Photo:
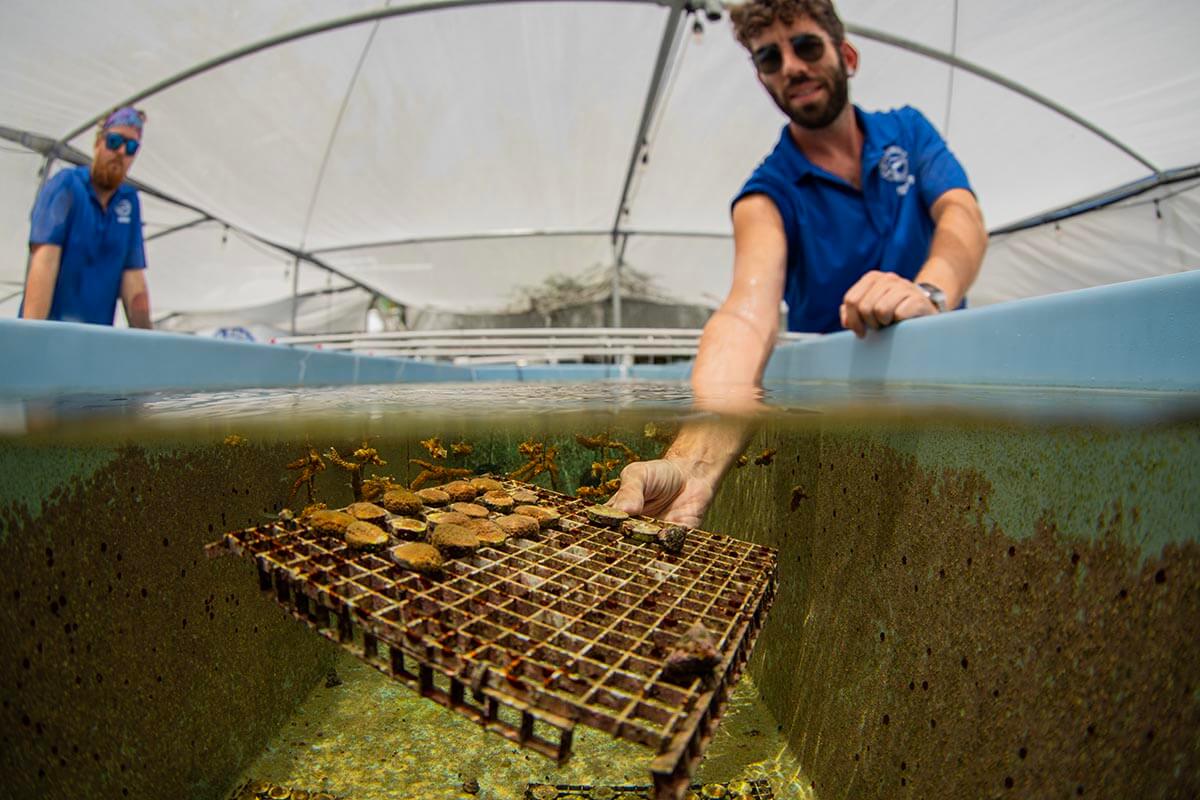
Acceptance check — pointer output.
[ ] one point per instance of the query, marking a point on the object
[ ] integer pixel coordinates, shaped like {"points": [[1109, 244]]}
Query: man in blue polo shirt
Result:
{"points": [[85, 240], [857, 219]]}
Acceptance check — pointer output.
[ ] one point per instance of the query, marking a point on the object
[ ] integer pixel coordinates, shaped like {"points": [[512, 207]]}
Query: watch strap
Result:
{"points": [[935, 295]]}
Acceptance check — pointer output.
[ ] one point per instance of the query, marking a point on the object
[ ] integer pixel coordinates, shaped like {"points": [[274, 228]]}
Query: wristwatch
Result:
{"points": [[935, 295]]}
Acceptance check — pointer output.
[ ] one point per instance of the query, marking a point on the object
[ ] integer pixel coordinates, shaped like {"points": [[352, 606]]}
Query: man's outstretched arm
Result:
{"points": [[959, 240], [734, 349]]}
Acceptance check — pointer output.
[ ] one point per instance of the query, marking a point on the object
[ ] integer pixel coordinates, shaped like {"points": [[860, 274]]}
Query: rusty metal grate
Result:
{"points": [[536, 635], [757, 789], [265, 790]]}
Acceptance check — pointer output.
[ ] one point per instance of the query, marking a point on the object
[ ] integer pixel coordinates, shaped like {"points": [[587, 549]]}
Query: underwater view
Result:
{"points": [[925, 591]]}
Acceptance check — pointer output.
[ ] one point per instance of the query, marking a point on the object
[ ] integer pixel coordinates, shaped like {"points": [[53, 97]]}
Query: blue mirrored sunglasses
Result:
{"points": [[113, 141]]}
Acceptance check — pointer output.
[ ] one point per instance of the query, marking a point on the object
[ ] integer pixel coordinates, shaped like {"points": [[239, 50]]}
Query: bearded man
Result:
{"points": [[857, 219], [85, 240]]}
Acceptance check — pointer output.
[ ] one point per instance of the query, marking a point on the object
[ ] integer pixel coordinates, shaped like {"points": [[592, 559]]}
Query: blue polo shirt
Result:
{"points": [[98, 244], [836, 233]]}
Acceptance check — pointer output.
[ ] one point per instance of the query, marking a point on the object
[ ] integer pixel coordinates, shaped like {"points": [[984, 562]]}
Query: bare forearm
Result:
{"points": [[726, 381], [40, 282], [135, 296], [733, 353], [137, 311], [959, 242], [705, 449]]}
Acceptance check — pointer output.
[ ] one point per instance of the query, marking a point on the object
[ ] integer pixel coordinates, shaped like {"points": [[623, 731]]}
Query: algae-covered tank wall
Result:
{"points": [[973, 609], [133, 666]]}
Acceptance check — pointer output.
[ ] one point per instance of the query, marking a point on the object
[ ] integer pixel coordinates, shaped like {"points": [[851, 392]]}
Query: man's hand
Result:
{"points": [[881, 298], [664, 490]]}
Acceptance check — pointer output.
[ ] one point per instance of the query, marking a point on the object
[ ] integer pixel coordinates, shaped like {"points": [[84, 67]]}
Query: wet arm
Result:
{"points": [[39, 283], [734, 349], [737, 341]]}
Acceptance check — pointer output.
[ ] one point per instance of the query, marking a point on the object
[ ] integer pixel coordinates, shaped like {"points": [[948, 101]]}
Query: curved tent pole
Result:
{"points": [[312, 201], [387, 12], [1104, 199], [653, 92], [183, 226], [515, 233], [1000, 80], [302, 33], [51, 148]]}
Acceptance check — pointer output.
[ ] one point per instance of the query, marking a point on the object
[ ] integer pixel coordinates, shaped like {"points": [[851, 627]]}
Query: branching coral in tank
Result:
{"points": [[601, 491], [606, 465], [359, 460], [433, 445], [539, 457], [435, 474], [309, 465]]}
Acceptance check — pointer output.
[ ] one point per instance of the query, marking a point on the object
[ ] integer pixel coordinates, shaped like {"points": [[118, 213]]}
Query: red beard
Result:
{"points": [[107, 175]]}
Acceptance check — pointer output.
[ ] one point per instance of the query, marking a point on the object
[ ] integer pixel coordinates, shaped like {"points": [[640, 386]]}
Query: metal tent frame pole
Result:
{"points": [[653, 92]]}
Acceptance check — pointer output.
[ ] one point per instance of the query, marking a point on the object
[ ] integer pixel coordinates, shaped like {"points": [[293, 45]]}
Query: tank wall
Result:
{"points": [[134, 666], [965, 612]]}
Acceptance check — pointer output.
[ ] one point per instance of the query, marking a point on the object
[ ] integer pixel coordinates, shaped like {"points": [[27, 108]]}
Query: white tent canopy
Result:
{"points": [[446, 155]]}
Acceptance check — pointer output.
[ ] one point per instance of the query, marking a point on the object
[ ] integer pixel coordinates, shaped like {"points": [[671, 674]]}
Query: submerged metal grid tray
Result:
{"points": [[757, 789], [265, 790], [532, 636]]}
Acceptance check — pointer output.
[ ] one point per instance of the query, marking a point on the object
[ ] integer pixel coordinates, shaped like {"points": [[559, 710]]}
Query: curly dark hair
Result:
{"points": [[754, 16]]}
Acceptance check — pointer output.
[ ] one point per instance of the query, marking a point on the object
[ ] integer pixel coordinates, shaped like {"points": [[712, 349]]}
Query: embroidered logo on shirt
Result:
{"points": [[123, 209], [893, 166]]}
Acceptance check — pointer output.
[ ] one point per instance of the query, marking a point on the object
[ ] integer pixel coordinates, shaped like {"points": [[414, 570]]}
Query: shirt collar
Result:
{"points": [[879, 131]]}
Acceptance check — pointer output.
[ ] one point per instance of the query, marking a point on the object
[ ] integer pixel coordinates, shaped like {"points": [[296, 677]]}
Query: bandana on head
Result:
{"points": [[128, 115]]}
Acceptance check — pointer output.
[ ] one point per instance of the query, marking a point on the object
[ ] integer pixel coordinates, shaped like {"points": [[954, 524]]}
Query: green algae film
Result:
{"points": [[370, 738]]}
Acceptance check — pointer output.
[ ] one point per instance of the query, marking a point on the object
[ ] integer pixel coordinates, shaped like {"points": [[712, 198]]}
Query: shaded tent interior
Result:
{"points": [[463, 161]]}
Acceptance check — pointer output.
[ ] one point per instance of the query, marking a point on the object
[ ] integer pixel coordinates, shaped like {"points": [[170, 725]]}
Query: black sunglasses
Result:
{"points": [[807, 47], [114, 141]]}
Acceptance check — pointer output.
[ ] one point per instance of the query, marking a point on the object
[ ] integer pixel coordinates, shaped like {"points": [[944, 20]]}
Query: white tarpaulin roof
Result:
{"points": [[447, 156]]}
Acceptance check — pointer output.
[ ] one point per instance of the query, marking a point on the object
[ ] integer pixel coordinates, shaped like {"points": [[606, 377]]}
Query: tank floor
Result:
{"points": [[370, 738]]}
